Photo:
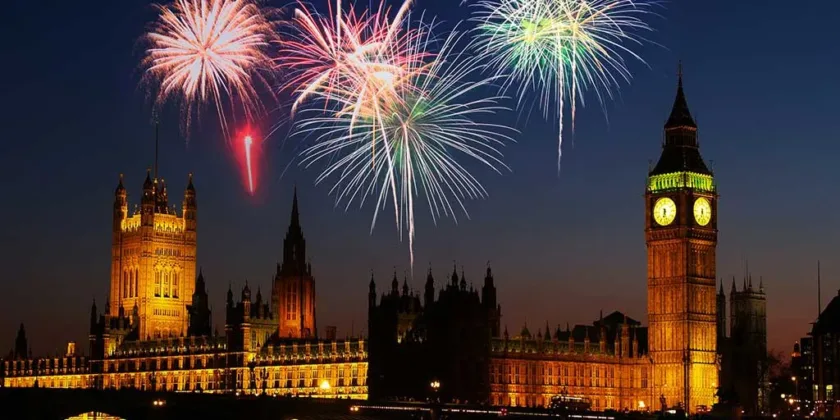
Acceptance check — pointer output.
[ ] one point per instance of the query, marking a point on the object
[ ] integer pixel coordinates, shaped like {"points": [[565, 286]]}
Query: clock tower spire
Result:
{"points": [[681, 236]]}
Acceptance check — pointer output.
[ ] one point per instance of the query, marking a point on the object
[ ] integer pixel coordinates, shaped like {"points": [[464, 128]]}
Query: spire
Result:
{"points": [[721, 287], [680, 116], [760, 284], [147, 184], [120, 187], [295, 215], [733, 285], [680, 150], [190, 186]]}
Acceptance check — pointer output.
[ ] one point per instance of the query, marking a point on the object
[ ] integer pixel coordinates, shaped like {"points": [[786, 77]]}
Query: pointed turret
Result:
{"points": [[120, 205], [760, 284], [454, 274], [246, 292], [405, 286], [21, 345], [731, 292], [371, 292], [680, 150], [463, 283], [395, 285], [93, 316], [147, 202], [429, 296], [547, 332]]}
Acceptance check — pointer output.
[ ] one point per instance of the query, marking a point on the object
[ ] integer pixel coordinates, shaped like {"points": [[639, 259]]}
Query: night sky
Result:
{"points": [[760, 78]]}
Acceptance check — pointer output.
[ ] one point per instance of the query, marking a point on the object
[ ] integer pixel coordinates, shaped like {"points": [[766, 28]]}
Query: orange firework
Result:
{"points": [[207, 50]]}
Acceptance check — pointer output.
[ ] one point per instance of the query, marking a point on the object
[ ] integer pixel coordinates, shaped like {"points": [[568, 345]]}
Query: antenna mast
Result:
{"points": [[819, 292], [157, 144]]}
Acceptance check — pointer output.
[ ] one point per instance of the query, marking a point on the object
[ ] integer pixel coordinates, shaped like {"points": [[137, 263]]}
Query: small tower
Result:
{"points": [[21, 344], [371, 292], [488, 299], [147, 202], [199, 310], [120, 206], [429, 296], [190, 207]]}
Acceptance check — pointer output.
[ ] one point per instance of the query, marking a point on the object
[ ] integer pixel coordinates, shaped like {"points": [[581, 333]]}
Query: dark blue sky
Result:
{"points": [[760, 79]]}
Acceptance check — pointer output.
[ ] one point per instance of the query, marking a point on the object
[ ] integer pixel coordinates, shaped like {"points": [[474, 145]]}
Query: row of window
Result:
{"points": [[129, 282], [566, 375], [167, 284]]}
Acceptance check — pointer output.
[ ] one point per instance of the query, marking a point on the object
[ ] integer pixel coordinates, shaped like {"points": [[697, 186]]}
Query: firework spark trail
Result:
{"points": [[437, 120], [344, 54], [208, 50], [356, 59], [561, 48], [247, 143]]}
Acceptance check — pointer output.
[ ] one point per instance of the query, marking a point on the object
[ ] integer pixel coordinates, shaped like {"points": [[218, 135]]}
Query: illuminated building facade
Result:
{"points": [[681, 236], [826, 363], [258, 353], [153, 259], [605, 362], [802, 367], [744, 375]]}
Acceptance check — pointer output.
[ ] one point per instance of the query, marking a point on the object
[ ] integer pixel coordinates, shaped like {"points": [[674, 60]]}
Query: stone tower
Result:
{"points": [[293, 290], [681, 237], [747, 351], [153, 259]]}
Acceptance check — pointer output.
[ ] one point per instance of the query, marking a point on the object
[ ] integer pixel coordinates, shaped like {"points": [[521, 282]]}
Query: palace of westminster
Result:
{"points": [[155, 331]]}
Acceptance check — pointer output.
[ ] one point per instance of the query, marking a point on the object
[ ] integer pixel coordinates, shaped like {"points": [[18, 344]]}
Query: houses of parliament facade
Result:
{"points": [[155, 331]]}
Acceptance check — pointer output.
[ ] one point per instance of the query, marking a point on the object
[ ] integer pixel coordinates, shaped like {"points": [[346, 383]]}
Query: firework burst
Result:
{"points": [[204, 51], [348, 54], [561, 48], [436, 118]]}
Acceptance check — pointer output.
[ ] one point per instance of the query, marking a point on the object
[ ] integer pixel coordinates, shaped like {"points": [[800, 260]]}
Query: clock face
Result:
{"points": [[664, 211], [702, 211]]}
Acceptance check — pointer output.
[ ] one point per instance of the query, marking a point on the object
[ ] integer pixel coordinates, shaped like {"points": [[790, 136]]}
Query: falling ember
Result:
{"points": [[248, 142]]}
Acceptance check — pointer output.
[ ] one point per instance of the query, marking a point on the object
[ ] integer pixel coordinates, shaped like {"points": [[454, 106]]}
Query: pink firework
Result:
{"points": [[207, 50], [352, 60]]}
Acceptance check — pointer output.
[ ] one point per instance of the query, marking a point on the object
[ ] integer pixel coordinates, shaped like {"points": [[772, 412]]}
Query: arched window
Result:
{"points": [[124, 281], [134, 282], [175, 285], [157, 282], [166, 276]]}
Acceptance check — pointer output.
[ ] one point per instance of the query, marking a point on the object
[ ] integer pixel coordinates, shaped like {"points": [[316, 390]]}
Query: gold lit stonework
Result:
{"points": [[664, 211], [702, 211], [153, 280]]}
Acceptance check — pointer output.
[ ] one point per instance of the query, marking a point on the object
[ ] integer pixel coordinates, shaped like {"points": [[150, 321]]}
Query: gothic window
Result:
{"points": [[124, 285], [157, 282], [175, 285], [166, 276]]}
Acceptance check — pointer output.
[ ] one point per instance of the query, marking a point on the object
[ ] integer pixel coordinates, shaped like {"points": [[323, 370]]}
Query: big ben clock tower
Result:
{"points": [[681, 235]]}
